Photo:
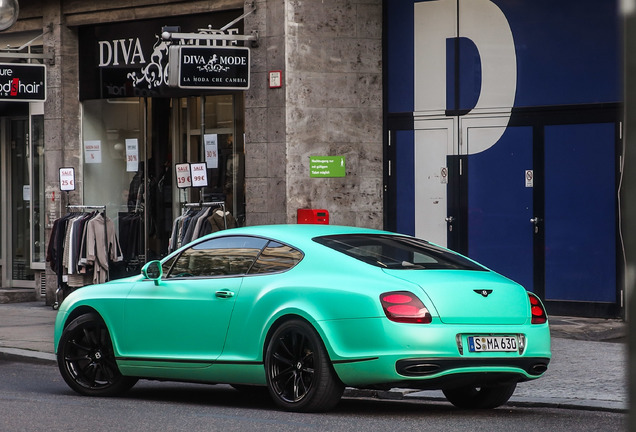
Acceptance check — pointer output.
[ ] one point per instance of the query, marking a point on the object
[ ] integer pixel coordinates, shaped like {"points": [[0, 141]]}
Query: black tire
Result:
{"points": [[487, 397], [86, 359], [300, 376]]}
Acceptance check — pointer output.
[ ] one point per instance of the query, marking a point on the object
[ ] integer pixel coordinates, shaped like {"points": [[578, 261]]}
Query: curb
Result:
{"points": [[36, 357], [26, 356], [558, 403]]}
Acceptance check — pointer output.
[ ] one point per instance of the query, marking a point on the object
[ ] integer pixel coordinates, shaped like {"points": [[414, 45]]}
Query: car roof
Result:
{"points": [[298, 234]]}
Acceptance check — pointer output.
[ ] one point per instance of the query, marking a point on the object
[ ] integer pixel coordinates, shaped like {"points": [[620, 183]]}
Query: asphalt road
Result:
{"points": [[34, 398]]}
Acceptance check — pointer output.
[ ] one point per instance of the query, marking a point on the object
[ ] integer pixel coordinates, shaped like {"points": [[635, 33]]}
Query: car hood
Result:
{"points": [[470, 297]]}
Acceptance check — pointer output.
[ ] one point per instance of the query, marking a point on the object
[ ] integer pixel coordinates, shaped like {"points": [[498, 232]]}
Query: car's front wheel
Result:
{"points": [[300, 376], [471, 397], [86, 359]]}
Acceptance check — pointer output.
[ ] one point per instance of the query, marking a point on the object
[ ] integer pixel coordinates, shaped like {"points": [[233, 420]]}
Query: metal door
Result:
{"points": [[580, 212], [499, 196], [434, 143]]}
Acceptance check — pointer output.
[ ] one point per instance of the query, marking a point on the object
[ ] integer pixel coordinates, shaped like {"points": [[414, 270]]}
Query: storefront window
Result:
{"points": [[114, 170], [222, 150], [130, 149]]}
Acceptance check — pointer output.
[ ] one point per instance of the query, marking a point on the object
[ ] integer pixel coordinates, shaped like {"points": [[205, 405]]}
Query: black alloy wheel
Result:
{"points": [[488, 397], [86, 359], [300, 376]]}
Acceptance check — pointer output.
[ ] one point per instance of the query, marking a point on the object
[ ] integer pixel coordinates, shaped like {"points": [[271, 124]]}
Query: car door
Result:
{"points": [[186, 315]]}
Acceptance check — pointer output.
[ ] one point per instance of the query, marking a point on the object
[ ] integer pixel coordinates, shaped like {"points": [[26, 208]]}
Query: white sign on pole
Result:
{"points": [[67, 179], [184, 178], [199, 175], [132, 155], [211, 150]]}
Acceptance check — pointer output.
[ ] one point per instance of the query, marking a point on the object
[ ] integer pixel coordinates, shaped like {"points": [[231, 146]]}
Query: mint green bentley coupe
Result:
{"points": [[303, 311]]}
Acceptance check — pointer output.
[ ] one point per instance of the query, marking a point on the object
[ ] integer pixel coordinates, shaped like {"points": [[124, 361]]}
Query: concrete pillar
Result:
{"points": [[62, 147], [330, 104]]}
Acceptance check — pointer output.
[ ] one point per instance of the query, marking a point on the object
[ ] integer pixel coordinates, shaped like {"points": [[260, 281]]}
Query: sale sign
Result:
{"points": [[67, 179], [199, 174], [132, 155], [184, 177]]}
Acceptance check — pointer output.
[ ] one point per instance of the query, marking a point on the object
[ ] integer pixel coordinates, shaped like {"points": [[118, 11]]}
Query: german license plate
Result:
{"points": [[492, 343]]}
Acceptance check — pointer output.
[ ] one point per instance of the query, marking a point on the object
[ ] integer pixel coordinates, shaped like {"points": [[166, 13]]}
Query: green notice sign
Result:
{"points": [[326, 166]]}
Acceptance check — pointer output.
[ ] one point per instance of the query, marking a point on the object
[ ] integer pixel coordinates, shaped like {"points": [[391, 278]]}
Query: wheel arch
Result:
{"points": [[290, 316], [83, 309], [79, 311]]}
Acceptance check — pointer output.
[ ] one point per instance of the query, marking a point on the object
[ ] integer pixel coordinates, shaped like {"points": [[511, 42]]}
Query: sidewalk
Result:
{"points": [[588, 368]]}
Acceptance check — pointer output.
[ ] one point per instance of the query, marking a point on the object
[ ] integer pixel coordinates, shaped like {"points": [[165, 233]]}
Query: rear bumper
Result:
{"points": [[370, 352], [422, 367]]}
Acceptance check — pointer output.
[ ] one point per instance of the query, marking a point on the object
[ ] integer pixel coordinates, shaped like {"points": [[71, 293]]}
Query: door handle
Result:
{"points": [[224, 294]]}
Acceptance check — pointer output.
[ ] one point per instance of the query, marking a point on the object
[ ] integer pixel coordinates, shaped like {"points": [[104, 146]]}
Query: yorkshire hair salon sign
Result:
{"points": [[22, 82], [213, 68]]}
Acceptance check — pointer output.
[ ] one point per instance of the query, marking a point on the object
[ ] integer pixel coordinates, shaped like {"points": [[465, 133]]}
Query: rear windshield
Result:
{"points": [[397, 252]]}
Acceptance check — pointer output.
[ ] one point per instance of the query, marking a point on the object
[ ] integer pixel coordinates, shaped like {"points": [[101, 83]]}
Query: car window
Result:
{"points": [[276, 257], [167, 265], [222, 256], [396, 252]]}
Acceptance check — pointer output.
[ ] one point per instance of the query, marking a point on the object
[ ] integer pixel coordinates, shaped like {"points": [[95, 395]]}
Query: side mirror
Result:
{"points": [[153, 271]]}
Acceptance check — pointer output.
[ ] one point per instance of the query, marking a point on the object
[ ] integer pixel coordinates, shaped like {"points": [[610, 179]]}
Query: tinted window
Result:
{"points": [[218, 257], [276, 257], [396, 252], [167, 265]]}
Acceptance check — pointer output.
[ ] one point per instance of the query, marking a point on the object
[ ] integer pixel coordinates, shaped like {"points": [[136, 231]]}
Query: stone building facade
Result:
{"points": [[329, 54]]}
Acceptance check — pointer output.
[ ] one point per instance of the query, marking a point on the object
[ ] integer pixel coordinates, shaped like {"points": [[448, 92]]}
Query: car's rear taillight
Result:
{"points": [[404, 307], [537, 310]]}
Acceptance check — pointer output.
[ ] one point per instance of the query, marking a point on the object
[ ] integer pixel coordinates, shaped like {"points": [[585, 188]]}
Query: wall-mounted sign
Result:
{"points": [[326, 166], [130, 59], [529, 178], [275, 79], [207, 67], [184, 177], [67, 179], [22, 82]]}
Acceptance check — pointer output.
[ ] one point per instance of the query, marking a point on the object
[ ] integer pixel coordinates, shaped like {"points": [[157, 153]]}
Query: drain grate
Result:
{"points": [[43, 284]]}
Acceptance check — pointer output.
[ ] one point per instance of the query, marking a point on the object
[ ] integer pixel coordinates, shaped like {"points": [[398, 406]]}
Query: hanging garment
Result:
{"points": [[101, 244]]}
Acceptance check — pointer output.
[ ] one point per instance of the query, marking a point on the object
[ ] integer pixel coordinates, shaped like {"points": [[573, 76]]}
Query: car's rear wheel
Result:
{"points": [[300, 376], [471, 397], [86, 359]]}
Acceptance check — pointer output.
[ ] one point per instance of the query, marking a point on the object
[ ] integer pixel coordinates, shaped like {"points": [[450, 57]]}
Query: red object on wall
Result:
{"points": [[313, 216]]}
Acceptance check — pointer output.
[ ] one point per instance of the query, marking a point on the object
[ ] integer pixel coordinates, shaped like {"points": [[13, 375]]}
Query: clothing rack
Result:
{"points": [[86, 207], [208, 204], [70, 208], [94, 207]]}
